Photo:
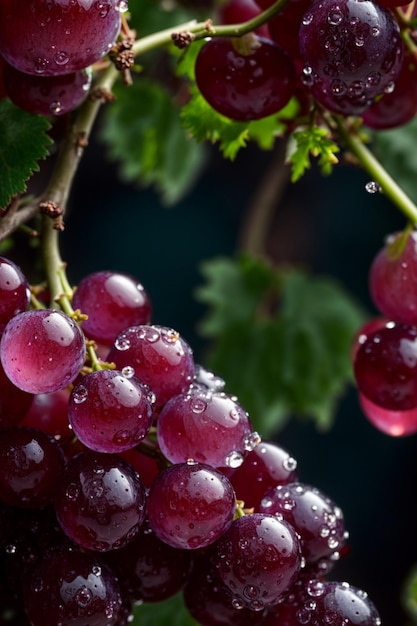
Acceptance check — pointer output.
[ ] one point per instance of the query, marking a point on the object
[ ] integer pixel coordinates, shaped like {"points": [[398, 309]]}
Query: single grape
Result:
{"points": [[149, 569], [385, 367], [31, 463], [352, 50], [113, 302], [100, 501], [52, 37], [14, 291], [47, 95], [266, 466], [159, 357], [393, 278], [245, 79], [399, 106], [207, 427], [238, 11], [71, 588], [317, 520], [190, 505], [42, 350], [393, 423], [110, 412], [258, 559]]}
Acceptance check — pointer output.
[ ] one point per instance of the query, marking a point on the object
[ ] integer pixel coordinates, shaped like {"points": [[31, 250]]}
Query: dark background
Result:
{"points": [[333, 225]]}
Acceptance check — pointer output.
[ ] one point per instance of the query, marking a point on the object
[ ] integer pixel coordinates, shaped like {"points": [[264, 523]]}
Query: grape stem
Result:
{"points": [[375, 170]]}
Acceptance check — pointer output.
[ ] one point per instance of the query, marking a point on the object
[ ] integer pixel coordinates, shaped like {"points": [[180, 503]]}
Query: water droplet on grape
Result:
{"points": [[40, 65], [238, 603], [61, 57], [303, 616], [372, 187], [11, 548], [250, 441], [128, 371], [308, 18], [96, 569], [390, 87], [289, 464], [234, 459], [55, 108], [315, 588], [80, 394], [121, 6], [198, 405], [72, 491], [121, 438], [338, 87], [335, 17], [149, 333], [122, 343], [83, 596]]}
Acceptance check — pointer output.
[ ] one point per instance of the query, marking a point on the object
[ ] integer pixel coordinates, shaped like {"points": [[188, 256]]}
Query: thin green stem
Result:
{"points": [[376, 171]]}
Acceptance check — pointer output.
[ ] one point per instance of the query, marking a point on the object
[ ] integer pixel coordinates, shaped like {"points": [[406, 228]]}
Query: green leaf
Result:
{"points": [[281, 339], [143, 133], [171, 612], [313, 141], [395, 150], [23, 142]]}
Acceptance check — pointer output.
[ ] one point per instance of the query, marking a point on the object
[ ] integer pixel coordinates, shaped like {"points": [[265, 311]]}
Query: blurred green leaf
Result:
{"points": [[23, 142], [280, 338], [143, 133], [311, 142]]}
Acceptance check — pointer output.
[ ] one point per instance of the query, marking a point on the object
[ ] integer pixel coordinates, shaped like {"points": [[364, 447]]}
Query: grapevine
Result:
{"points": [[142, 480]]}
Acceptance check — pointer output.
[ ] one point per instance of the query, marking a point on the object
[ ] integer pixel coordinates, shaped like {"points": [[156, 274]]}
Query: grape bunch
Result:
{"points": [[385, 350], [342, 56], [135, 477], [47, 48]]}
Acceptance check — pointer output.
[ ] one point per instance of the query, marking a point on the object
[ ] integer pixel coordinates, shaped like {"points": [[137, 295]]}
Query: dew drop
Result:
{"points": [[72, 491], [289, 464], [121, 438], [315, 588], [250, 441], [238, 603], [80, 394], [303, 616], [55, 108], [335, 17], [372, 187], [234, 459], [198, 405], [150, 334], [122, 343], [308, 18], [128, 371], [83, 596], [61, 57], [121, 6], [324, 531], [40, 65], [390, 87], [96, 569], [338, 87], [11, 548]]}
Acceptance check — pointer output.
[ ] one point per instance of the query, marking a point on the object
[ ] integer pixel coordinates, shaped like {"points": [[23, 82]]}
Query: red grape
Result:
{"points": [[47, 95], [49, 413], [393, 423], [14, 403], [110, 412], [245, 79], [352, 51], [42, 350], [113, 302], [190, 505], [100, 501], [393, 278], [14, 291], [237, 11], [52, 37]]}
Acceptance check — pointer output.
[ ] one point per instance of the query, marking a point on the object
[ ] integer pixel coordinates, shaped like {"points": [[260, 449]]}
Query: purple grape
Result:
{"points": [[393, 423], [266, 466], [42, 350], [352, 51], [245, 79], [14, 291], [385, 367], [190, 505], [31, 463], [100, 501], [14, 403], [393, 278], [113, 302], [258, 559], [315, 517], [47, 95], [159, 356], [207, 427], [149, 569], [53, 37], [72, 589], [110, 412], [49, 413]]}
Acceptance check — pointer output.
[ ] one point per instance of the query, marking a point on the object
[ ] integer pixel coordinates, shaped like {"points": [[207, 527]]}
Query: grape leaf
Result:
{"points": [[281, 339], [143, 133], [171, 612], [23, 142], [313, 141]]}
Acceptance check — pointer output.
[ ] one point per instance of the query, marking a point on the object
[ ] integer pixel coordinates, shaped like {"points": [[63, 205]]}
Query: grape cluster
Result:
{"points": [[385, 350], [47, 48], [135, 477], [345, 56]]}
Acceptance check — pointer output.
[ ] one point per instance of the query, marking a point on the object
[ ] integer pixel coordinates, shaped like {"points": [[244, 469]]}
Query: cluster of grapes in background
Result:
{"points": [[46, 69], [346, 56], [133, 477], [385, 353]]}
